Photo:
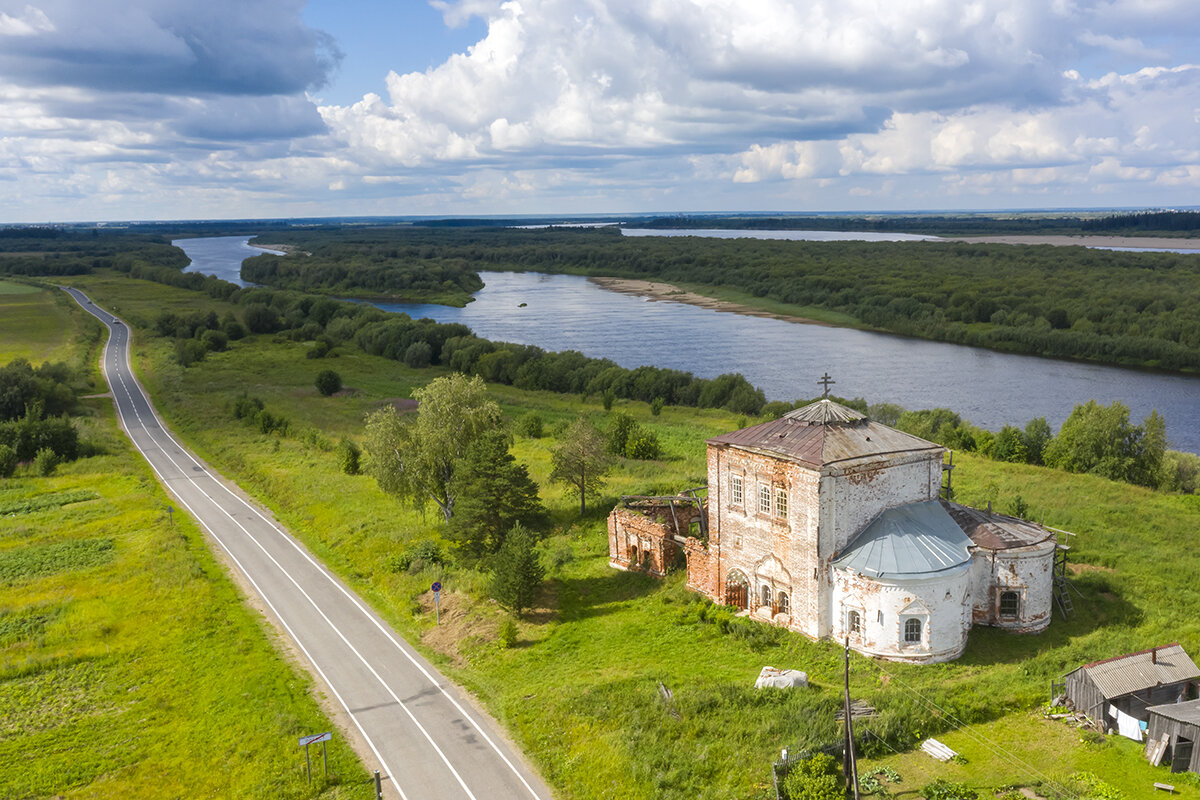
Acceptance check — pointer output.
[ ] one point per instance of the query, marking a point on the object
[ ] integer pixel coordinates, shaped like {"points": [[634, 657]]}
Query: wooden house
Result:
{"points": [[1174, 729], [1116, 693]]}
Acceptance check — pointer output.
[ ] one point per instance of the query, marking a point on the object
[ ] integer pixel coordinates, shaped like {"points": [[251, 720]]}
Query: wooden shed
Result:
{"points": [[1174, 729], [1109, 691]]}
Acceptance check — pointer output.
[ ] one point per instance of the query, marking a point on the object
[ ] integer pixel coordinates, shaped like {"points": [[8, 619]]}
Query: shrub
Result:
{"points": [[608, 398], [418, 355], [318, 350], [233, 329], [643, 445], [508, 632], [8, 461], [45, 462], [815, 778], [349, 457], [418, 555], [246, 406], [270, 423], [531, 426], [189, 351], [213, 340], [942, 789], [518, 572], [656, 406], [328, 382]]}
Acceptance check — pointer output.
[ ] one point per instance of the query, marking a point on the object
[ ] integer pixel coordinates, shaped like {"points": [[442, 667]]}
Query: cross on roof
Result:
{"points": [[826, 381]]}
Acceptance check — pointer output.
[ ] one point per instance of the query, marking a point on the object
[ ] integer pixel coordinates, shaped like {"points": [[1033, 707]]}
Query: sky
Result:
{"points": [[178, 109]]}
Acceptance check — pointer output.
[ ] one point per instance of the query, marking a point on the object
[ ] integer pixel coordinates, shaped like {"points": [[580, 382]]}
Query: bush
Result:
{"points": [[418, 355], [349, 457], [531, 426], [318, 350], [942, 789], [215, 341], [270, 423], [189, 351], [418, 555], [45, 462], [508, 632], [8, 461], [246, 406], [518, 572], [643, 445], [328, 382], [656, 406], [815, 778]]}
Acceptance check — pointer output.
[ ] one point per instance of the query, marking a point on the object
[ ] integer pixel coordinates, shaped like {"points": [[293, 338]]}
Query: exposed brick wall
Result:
{"points": [[638, 542]]}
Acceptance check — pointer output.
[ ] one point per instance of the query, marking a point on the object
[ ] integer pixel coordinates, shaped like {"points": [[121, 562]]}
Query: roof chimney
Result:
{"points": [[1154, 656]]}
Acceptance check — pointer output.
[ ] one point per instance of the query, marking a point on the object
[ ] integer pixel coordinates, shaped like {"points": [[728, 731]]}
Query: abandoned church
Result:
{"points": [[831, 524]]}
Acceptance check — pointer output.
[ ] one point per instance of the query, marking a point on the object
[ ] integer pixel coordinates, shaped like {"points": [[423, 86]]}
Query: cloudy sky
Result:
{"points": [[168, 109]]}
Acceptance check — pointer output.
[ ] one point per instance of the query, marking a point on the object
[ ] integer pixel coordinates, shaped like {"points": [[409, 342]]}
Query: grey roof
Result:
{"points": [[1136, 672], [908, 542], [997, 531], [1188, 712], [823, 434]]}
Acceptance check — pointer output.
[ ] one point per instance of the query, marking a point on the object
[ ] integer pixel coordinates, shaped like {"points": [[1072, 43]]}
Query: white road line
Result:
{"points": [[350, 596]]}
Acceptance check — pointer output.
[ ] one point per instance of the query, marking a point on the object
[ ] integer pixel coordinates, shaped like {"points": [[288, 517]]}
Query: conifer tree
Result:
{"points": [[517, 571], [494, 493]]}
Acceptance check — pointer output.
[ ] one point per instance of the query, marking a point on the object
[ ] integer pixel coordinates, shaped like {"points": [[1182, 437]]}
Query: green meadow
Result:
{"points": [[130, 665], [582, 689]]}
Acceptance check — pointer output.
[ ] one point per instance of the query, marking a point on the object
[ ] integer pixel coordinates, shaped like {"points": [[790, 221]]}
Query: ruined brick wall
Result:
{"points": [[1028, 571], [702, 570], [637, 542]]}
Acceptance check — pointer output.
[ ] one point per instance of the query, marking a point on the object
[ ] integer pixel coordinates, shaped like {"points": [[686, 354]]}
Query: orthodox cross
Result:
{"points": [[826, 381]]}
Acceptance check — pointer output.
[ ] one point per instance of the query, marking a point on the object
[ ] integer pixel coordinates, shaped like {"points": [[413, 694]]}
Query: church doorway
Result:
{"points": [[737, 590]]}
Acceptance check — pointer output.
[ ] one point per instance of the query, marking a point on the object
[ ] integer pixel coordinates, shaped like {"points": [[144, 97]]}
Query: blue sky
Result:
{"points": [[165, 109]]}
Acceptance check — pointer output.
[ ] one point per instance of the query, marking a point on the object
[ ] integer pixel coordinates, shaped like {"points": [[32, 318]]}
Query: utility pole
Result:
{"points": [[849, 762]]}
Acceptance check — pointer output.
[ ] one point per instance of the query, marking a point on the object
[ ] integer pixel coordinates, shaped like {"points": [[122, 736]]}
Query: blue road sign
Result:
{"points": [[437, 586]]}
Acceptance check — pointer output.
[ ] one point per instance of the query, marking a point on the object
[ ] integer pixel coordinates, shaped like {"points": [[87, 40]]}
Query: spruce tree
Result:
{"points": [[517, 571], [494, 493]]}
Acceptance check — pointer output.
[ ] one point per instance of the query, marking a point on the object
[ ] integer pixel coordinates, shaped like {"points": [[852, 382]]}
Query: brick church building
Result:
{"points": [[832, 525]]}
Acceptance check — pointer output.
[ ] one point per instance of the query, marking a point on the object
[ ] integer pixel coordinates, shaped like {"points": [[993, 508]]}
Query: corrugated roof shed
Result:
{"points": [[916, 539], [1188, 711], [825, 433], [1137, 672]]}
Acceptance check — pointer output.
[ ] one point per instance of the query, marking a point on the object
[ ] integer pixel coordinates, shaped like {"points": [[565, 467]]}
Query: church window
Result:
{"points": [[912, 631], [854, 623], [766, 595], [781, 509], [784, 608], [764, 499], [735, 490], [1010, 605]]}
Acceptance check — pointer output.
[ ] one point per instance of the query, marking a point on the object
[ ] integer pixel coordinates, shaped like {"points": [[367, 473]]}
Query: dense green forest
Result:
{"points": [[55, 251], [1125, 308]]}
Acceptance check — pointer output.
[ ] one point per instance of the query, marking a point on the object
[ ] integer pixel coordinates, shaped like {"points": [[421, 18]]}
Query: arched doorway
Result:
{"points": [[737, 589]]}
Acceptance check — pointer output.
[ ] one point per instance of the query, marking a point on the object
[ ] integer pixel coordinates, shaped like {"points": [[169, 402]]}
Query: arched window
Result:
{"points": [[635, 560], [854, 623], [1010, 605], [784, 608], [766, 595], [912, 631]]}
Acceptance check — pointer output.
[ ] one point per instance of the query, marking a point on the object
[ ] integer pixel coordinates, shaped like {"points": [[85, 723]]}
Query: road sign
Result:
{"points": [[437, 586], [316, 737]]}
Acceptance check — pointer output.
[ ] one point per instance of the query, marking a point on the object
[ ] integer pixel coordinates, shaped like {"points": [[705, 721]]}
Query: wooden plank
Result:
{"points": [[1155, 748]]}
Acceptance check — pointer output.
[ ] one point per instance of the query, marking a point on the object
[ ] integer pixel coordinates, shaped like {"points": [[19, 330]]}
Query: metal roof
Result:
{"points": [[996, 531], [825, 433], [1188, 712], [1136, 672], [908, 542]]}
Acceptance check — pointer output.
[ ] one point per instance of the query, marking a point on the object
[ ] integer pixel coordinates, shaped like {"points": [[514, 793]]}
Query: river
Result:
{"points": [[568, 312]]}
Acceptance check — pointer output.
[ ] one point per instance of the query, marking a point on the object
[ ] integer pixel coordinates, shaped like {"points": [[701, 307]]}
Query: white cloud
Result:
{"points": [[31, 22]]}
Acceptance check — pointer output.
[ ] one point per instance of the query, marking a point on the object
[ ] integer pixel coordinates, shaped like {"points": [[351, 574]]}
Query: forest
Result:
{"points": [[1133, 309]]}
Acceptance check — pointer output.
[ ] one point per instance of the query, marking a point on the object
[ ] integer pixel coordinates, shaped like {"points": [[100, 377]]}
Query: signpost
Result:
{"points": [[305, 741], [437, 602]]}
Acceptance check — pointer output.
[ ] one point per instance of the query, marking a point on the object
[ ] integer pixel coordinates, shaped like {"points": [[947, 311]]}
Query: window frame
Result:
{"points": [[905, 633], [781, 502], [1016, 602], [764, 498], [737, 491], [854, 622]]}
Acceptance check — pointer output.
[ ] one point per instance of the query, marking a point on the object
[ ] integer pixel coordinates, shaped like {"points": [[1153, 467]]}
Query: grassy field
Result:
{"points": [[40, 325], [129, 665], [580, 690]]}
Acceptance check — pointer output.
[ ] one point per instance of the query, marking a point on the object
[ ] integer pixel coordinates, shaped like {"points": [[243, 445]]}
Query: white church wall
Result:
{"points": [[1026, 571], [940, 605], [851, 499]]}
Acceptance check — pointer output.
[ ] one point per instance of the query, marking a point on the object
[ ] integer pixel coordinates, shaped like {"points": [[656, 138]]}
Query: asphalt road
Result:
{"points": [[427, 739]]}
